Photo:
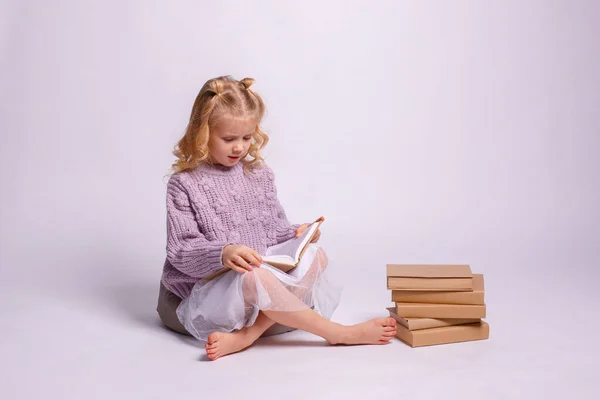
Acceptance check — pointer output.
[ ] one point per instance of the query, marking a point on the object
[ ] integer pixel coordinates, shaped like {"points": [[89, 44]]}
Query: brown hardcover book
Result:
{"points": [[474, 297], [429, 270], [414, 324], [430, 284], [428, 310], [444, 334], [426, 277]]}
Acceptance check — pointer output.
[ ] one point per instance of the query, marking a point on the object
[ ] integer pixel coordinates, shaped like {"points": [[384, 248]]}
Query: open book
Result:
{"points": [[287, 255]]}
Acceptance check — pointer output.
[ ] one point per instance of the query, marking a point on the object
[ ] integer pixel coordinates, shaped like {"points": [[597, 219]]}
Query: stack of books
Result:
{"points": [[437, 304]]}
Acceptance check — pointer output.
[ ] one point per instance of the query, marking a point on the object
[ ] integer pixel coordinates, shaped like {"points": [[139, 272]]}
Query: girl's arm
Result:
{"points": [[188, 250], [285, 230]]}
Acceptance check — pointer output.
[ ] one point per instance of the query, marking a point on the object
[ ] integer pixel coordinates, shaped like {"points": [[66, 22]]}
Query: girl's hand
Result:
{"points": [[241, 258], [304, 227]]}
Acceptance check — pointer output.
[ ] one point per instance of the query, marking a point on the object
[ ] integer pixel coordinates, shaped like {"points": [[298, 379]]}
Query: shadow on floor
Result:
{"points": [[137, 302]]}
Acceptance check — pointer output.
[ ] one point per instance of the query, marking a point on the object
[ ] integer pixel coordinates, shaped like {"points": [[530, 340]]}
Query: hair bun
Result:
{"points": [[216, 86], [247, 82]]}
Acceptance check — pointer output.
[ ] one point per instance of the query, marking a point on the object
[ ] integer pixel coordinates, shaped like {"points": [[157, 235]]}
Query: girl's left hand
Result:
{"points": [[304, 227]]}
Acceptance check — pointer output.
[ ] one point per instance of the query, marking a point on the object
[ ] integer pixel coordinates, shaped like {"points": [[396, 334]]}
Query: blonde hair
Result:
{"points": [[219, 98]]}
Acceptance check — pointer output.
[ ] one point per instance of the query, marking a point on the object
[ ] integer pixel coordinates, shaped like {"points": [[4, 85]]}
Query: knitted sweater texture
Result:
{"points": [[211, 206]]}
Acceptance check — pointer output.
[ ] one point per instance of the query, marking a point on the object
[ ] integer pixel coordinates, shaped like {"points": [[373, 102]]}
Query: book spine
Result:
{"points": [[451, 334], [430, 284], [445, 297], [429, 271], [420, 310], [427, 323]]}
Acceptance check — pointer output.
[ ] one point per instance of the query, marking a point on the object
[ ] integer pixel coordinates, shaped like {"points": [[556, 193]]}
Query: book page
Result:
{"points": [[306, 237], [292, 247], [282, 259]]}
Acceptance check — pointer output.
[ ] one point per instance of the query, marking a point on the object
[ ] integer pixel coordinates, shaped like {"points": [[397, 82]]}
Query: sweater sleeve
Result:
{"points": [[188, 250], [285, 230]]}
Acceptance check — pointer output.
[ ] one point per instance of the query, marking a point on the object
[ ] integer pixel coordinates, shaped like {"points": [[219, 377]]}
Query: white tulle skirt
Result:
{"points": [[233, 300]]}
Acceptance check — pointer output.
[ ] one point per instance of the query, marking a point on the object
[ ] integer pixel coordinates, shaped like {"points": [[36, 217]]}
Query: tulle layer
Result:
{"points": [[233, 300]]}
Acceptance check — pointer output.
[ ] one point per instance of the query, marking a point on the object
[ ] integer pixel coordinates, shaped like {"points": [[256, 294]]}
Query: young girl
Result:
{"points": [[223, 212]]}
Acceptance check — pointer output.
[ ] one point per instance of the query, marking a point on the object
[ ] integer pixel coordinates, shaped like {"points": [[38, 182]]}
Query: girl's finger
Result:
{"points": [[239, 270], [242, 263], [253, 259], [233, 267], [239, 262], [250, 259], [300, 230], [316, 237], [257, 256]]}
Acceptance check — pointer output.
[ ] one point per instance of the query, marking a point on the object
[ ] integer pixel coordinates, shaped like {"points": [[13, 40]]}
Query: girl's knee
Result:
{"points": [[249, 280], [249, 287], [262, 274]]}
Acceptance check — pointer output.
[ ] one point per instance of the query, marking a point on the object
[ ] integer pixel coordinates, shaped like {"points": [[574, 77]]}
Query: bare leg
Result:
{"points": [[376, 331], [306, 283], [289, 310], [223, 343]]}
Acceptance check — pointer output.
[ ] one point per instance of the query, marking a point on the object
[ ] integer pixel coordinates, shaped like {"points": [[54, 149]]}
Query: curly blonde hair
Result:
{"points": [[219, 98]]}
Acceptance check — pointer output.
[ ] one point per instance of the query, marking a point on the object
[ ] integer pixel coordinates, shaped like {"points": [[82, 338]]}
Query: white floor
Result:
{"points": [[95, 335]]}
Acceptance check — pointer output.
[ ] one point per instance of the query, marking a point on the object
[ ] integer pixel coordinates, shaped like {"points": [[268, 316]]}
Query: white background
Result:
{"points": [[425, 132]]}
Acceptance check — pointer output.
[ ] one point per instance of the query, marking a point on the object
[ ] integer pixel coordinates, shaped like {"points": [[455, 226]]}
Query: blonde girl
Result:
{"points": [[223, 212]]}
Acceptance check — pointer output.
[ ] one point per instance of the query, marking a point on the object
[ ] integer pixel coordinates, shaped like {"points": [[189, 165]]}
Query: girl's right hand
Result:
{"points": [[241, 258]]}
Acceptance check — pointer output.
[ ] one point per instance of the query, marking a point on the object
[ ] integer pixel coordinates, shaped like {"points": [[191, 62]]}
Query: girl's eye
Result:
{"points": [[247, 138], [229, 140]]}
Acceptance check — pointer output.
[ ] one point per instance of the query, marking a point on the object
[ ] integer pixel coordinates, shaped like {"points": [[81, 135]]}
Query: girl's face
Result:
{"points": [[230, 140]]}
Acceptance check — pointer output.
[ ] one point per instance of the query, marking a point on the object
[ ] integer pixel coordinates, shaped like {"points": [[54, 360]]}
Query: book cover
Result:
{"points": [[430, 284], [429, 270], [444, 334], [444, 297], [414, 324], [287, 255], [429, 277], [429, 310]]}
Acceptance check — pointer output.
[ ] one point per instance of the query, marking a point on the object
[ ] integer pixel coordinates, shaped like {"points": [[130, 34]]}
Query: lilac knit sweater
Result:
{"points": [[211, 206]]}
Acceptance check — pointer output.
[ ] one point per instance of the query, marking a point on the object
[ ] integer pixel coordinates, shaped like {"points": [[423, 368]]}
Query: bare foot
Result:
{"points": [[220, 343], [375, 331]]}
